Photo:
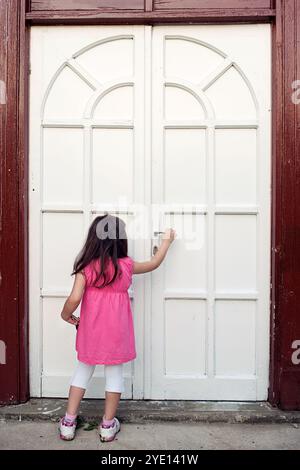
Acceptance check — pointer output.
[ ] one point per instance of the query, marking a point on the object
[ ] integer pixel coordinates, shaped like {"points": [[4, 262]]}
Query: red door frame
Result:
{"points": [[16, 16]]}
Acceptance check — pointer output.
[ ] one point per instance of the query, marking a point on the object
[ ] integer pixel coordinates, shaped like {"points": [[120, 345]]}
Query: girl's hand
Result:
{"points": [[72, 320], [169, 235], [158, 256]]}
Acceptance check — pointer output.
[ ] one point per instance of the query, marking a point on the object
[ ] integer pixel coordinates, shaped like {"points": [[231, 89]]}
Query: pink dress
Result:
{"points": [[106, 331]]}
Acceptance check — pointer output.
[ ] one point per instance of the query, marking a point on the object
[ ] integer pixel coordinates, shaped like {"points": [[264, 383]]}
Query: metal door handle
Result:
{"points": [[156, 233]]}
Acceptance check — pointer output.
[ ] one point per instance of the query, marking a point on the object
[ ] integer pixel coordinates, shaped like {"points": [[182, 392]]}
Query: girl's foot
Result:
{"points": [[67, 429], [108, 434]]}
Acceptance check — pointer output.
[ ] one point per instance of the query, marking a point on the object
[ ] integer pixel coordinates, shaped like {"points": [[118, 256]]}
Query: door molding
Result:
{"points": [[148, 11], [15, 19], [14, 60]]}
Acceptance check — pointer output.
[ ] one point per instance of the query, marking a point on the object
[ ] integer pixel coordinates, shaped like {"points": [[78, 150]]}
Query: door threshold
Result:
{"points": [[141, 411]]}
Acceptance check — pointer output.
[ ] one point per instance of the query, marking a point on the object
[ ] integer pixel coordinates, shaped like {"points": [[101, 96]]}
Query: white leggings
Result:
{"points": [[114, 380]]}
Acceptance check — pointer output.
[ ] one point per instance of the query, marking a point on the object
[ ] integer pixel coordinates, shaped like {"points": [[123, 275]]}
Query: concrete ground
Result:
{"points": [[156, 436]]}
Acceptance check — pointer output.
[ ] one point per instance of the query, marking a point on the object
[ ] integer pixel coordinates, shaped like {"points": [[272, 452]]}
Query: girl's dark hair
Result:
{"points": [[106, 239]]}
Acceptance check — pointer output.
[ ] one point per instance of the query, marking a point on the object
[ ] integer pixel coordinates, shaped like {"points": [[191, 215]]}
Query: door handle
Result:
{"points": [[157, 233]]}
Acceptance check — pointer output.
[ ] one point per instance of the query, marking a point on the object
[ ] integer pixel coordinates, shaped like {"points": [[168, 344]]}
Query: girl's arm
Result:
{"points": [[157, 259], [74, 300]]}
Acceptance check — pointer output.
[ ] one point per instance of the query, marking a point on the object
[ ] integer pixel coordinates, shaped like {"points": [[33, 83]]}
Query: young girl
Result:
{"points": [[105, 332]]}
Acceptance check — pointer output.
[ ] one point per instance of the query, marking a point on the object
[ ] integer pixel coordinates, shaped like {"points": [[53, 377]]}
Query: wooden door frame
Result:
{"points": [[16, 17]]}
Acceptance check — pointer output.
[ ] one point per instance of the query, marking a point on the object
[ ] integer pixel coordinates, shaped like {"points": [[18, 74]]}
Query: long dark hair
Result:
{"points": [[106, 239]]}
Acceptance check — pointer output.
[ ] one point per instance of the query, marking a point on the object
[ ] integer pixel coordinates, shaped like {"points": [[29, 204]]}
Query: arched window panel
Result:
{"points": [[193, 55], [115, 104], [67, 96], [109, 59], [231, 97], [180, 104]]}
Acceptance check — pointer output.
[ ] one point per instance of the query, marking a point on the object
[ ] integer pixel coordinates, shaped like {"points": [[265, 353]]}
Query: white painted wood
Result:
{"points": [[182, 115], [211, 146], [86, 127]]}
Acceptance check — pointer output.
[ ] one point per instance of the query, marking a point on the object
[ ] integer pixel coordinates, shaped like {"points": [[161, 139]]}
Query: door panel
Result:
{"points": [[211, 178], [86, 128]]}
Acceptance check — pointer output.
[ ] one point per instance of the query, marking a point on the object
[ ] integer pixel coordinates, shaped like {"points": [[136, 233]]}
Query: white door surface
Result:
{"points": [[169, 121]]}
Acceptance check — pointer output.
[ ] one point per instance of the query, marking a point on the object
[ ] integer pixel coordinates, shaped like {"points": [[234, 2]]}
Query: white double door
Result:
{"points": [[168, 126]]}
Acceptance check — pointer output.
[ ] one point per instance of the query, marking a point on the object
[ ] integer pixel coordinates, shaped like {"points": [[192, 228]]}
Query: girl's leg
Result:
{"points": [[75, 396], [79, 383], [114, 387], [111, 404]]}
